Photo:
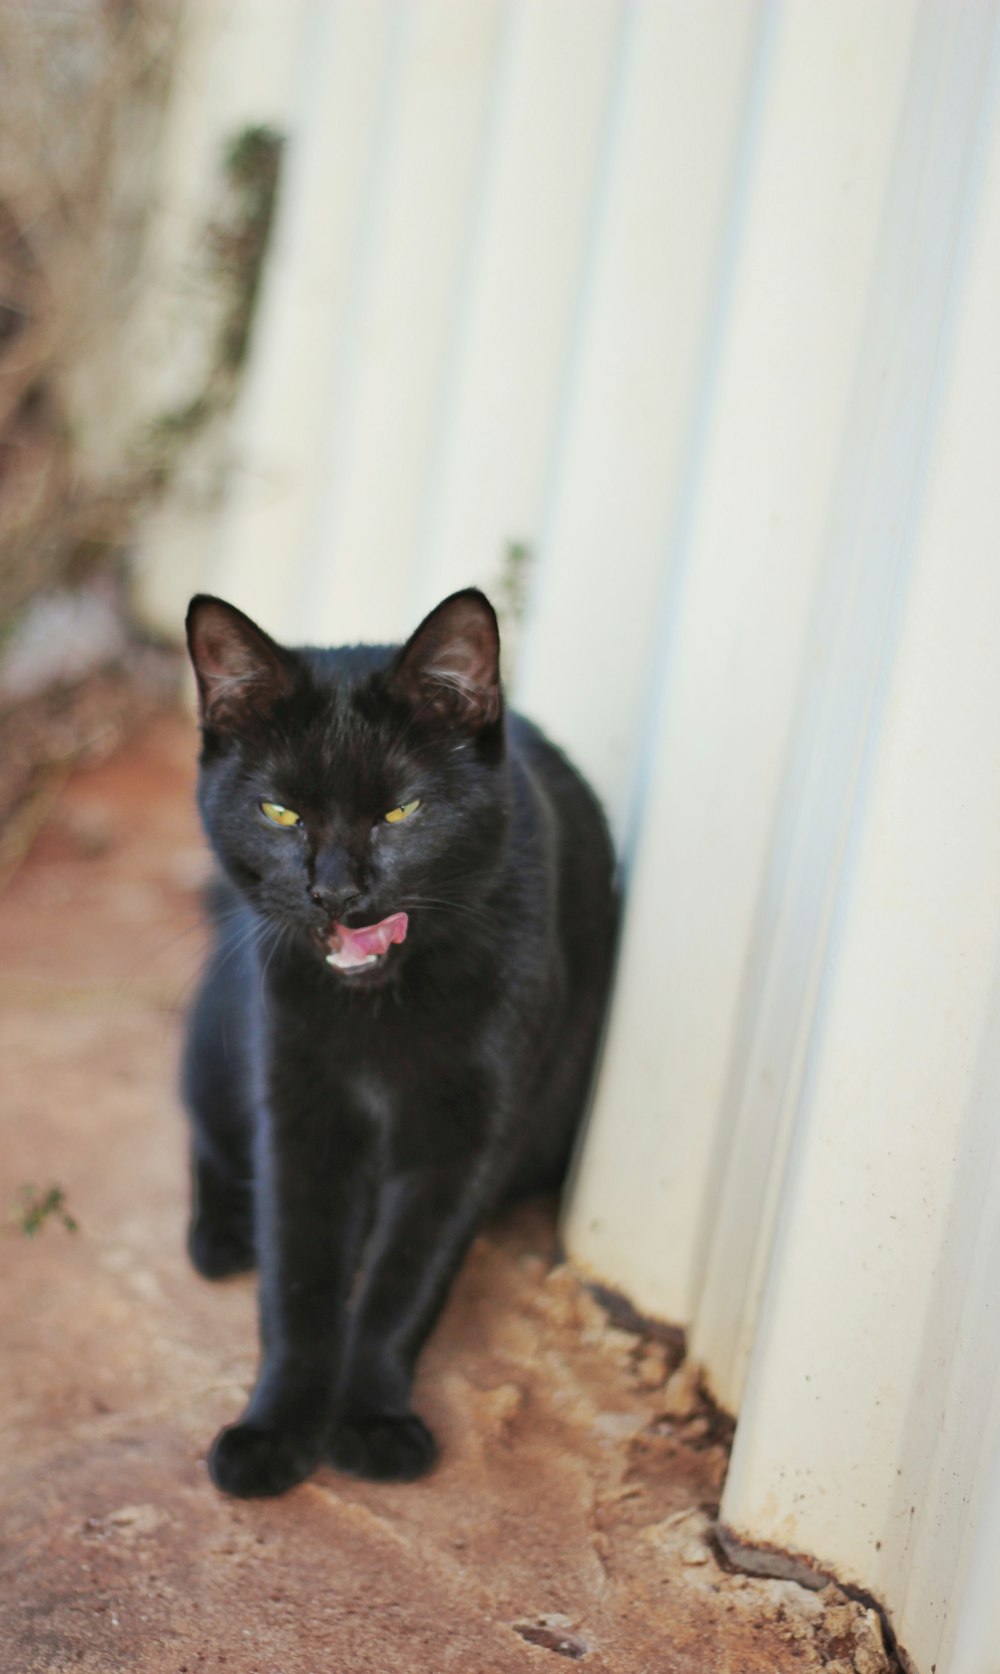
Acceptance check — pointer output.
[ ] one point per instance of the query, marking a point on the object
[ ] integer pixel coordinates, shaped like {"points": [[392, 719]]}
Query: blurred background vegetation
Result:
{"points": [[81, 92], [87, 449]]}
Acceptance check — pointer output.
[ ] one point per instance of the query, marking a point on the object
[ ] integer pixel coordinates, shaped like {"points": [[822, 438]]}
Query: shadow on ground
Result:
{"points": [[569, 1517]]}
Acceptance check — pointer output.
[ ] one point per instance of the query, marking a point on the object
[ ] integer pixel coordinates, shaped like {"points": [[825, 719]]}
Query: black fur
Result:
{"points": [[353, 1128]]}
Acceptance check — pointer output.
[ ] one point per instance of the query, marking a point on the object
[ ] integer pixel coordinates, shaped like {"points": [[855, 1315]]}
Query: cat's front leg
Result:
{"points": [[220, 1234], [312, 1213], [426, 1219]]}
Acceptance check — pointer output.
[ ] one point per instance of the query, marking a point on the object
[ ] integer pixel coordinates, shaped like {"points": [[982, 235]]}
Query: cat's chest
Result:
{"points": [[376, 1096], [388, 1063]]}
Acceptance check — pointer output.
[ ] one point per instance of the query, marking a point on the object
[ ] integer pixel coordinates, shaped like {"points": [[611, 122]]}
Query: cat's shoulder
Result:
{"points": [[541, 765], [529, 746]]}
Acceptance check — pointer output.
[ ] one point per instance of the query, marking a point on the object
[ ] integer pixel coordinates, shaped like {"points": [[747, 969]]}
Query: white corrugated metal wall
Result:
{"points": [[699, 305]]}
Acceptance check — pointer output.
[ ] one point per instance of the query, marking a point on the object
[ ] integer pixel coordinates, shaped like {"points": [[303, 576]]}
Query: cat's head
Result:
{"points": [[357, 797]]}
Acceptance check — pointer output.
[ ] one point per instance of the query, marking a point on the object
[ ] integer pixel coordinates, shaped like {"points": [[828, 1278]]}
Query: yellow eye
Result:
{"points": [[278, 815], [403, 812]]}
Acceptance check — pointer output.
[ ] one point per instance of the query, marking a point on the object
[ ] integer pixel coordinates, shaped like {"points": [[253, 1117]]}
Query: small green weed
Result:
{"points": [[37, 1207]]}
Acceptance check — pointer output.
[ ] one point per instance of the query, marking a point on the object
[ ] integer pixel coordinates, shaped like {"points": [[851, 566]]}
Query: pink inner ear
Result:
{"points": [[219, 647], [222, 658], [239, 669], [450, 665], [463, 664], [466, 672]]}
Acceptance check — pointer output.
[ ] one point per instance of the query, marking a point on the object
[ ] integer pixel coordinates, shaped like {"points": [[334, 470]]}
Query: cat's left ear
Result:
{"points": [[450, 668]]}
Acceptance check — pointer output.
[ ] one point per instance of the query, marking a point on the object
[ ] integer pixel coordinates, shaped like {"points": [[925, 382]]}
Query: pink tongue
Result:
{"points": [[352, 947]]}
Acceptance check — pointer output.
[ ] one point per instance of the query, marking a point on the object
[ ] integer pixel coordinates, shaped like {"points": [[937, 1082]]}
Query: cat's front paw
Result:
{"points": [[382, 1448], [217, 1252], [252, 1462]]}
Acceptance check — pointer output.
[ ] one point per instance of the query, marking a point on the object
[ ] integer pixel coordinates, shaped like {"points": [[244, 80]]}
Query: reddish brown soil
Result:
{"points": [[569, 1518]]}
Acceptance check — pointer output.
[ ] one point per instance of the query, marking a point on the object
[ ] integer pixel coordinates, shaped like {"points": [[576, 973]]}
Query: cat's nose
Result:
{"points": [[334, 902]]}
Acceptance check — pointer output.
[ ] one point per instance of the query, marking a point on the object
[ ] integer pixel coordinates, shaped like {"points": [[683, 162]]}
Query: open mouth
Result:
{"points": [[363, 946]]}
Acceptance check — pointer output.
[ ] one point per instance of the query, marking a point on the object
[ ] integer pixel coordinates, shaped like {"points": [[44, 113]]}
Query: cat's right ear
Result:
{"points": [[240, 670]]}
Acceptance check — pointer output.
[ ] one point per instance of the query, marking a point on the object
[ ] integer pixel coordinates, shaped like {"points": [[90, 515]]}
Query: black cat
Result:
{"points": [[397, 1024]]}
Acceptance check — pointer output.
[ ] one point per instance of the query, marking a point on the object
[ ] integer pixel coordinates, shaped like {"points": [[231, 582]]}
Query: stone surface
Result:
{"points": [[570, 1516]]}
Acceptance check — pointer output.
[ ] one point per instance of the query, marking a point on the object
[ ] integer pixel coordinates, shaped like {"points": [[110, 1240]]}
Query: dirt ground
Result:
{"points": [[570, 1516]]}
